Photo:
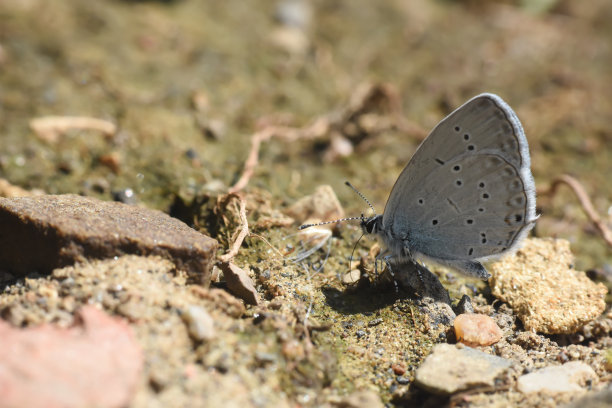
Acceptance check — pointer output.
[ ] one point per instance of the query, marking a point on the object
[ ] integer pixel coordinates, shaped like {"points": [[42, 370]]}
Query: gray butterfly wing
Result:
{"points": [[467, 193]]}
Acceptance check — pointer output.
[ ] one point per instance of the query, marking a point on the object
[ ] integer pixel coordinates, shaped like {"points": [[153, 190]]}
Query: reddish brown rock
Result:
{"points": [[475, 330], [50, 231], [97, 363], [239, 283]]}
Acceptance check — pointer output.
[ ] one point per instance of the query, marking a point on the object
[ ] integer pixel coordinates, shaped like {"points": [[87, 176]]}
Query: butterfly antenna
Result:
{"points": [[330, 222], [361, 195]]}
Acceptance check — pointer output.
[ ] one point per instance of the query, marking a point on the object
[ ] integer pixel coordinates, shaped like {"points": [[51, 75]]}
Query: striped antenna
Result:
{"points": [[330, 222], [360, 195], [343, 219]]}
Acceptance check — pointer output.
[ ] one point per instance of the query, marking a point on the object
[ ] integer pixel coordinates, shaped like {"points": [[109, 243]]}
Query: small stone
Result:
{"points": [[601, 399], [464, 305], [50, 231], [294, 13], [9, 190], [557, 379], [416, 276], [474, 330], [450, 368], [358, 399], [222, 300], [352, 277], [323, 205], [403, 380], [125, 196], [111, 160], [293, 350], [398, 369], [239, 283], [200, 325], [547, 295]]}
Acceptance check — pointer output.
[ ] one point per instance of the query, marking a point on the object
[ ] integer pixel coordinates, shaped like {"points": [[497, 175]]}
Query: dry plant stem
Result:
{"points": [[50, 127], [288, 134], [585, 202], [361, 99], [242, 234]]}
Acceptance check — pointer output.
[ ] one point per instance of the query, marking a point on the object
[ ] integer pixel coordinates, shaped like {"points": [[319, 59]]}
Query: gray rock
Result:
{"points": [[464, 305], [45, 232], [421, 279], [451, 368], [556, 379]]}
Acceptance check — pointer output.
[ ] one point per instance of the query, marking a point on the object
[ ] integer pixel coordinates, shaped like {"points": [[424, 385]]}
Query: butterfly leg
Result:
{"points": [[387, 260]]}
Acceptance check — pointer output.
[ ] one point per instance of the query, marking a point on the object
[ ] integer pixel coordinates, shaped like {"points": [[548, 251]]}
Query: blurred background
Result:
{"points": [[187, 82]]}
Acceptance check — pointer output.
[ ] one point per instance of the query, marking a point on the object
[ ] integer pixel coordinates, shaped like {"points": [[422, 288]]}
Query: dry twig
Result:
{"points": [[585, 202], [285, 133], [49, 128], [366, 99], [243, 231]]}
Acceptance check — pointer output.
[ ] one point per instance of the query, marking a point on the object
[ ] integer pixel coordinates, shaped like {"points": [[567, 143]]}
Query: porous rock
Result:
{"points": [[542, 288], [41, 233], [451, 368]]}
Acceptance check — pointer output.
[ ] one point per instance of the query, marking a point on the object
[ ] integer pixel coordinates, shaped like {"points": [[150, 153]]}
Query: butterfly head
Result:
{"points": [[371, 225]]}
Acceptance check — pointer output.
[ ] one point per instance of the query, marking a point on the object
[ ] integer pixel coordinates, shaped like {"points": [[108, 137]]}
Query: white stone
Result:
{"points": [[557, 379], [200, 325]]}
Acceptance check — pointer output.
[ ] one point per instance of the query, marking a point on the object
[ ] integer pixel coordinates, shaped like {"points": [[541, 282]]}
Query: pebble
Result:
{"points": [[10, 190], [423, 281], [547, 295], [464, 305], [51, 231], [557, 379], [358, 399], [200, 325], [322, 205], [351, 277], [475, 330], [239, 283], [451, 368], [601, 399], [399, 369], [403, 380]]}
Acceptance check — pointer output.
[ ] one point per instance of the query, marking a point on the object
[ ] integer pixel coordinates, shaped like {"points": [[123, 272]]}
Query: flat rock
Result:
{"points": [[565, 378], [41, 233], [96, 363], [545, 292], [239, 283], [451, 368]]}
